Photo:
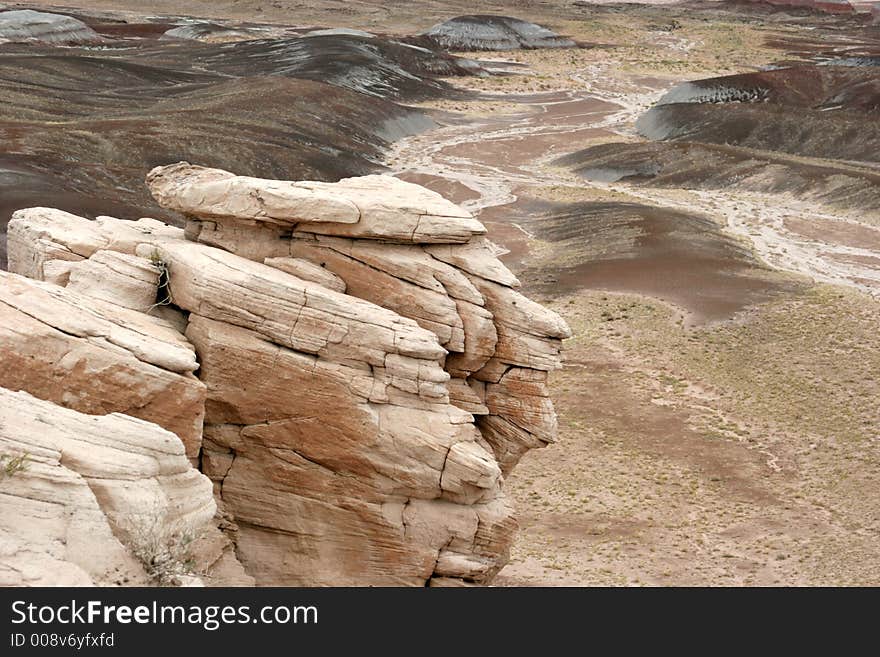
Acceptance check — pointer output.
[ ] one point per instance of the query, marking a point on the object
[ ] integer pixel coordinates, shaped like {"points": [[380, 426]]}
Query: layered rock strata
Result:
{"points": [[100, 499], [369, 371], [488, 32], [88, 346]]}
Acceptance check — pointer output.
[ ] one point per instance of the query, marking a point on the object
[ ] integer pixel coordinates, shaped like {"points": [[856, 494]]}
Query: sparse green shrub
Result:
{"points": [[165, 549], [163, 296], [11, 465]]}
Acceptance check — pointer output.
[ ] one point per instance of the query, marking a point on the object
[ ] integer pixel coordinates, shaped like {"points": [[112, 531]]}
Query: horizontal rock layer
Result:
{"points": [[95, 357], [375, 207]]}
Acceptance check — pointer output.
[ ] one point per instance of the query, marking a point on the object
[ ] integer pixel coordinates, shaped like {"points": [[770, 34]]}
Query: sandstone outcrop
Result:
{"points": [[96, 357], [368, 371], [374, 207], [100, 501]]}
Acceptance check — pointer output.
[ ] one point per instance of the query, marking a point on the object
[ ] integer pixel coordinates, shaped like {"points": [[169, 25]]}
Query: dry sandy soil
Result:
{"points": [[719, 415]]}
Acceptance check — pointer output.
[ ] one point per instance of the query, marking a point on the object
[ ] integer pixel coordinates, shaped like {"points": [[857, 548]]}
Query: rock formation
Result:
{"points": [[209, 33], [102, 500], [367, 371], [487, 32], [27, 25], [96, 357]]}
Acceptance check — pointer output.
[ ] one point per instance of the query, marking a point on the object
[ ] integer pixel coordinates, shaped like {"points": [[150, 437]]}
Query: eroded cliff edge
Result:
{"points": [[349, 363]]}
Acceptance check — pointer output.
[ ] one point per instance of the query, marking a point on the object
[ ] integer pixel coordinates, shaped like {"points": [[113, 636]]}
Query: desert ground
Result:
{"points": [[718, 419], [719, 407]]}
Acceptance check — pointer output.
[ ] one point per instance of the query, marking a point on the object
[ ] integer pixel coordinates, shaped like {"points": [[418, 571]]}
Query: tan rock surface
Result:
{"points": [[42, 241], [320, 497], [408, 262], [308, 271], [375, 207], [98, 358], [433, 310], [406, 279], [392, 209], [119, 278], [91, 486], [347, 336], [36, 236], [478, 257], [522, 398], [466, 398], [299, 314], [217, 194], [255, 240]]}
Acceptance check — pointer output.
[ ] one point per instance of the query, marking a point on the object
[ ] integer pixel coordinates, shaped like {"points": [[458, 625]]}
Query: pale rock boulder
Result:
{"points": [[470, 543], [408, 262], [521, 313], [501, 344], [304, 316], [433, 310], [255, 240], [520, 415], [479, 257], [149, 339], [509, 442], [522, 397], [329, 541], [463, 395], [91, 486], [480, 340], [373, 207], [216, 194], [406, 279], [411, 451], [54, 532], [491, 372], [529, 335], [43, 243], [98, 357], [126, 236], [392, 209]]}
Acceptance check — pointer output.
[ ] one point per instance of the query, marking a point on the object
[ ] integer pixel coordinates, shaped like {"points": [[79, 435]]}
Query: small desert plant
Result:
{"points": [[164, 548], [163, 296], [11, 465]]}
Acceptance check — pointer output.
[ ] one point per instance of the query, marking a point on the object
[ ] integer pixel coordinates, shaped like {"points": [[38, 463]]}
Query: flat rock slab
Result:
{"points": [[374, 207]]}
